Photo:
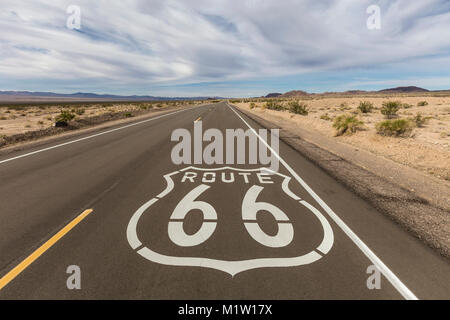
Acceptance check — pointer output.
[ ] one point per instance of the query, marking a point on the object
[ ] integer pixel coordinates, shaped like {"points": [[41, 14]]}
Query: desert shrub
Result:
{"points": [[325, 117], [79, 111], [347, 124], [273, 105], [64, 117], [406, 105], [298, 108], [2, 118], [390, 108], [365, 106], [127, 114], [420, 120], [397, 127], [422, 103], [252, 105], [145, 106]]}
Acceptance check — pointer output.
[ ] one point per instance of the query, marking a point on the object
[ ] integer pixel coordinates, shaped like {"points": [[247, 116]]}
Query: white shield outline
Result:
{"points": [[230, 267]]}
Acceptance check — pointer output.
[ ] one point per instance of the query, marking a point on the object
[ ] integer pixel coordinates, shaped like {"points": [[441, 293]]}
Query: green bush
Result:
{"points": [[64, 117], [419, 120], [365, 106], [390, 108], [273, 105], [79, 111], [422, 104], [346, 124], [325, 117], [398, 127], [298, 108], [406, 105], [127, 114], [252, 105]]}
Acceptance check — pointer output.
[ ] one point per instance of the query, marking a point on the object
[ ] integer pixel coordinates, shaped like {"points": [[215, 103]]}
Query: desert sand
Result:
{"points": [[426, 149]]}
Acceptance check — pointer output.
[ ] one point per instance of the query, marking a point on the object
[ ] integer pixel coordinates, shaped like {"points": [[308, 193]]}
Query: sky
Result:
{"points": [[227, 48]]}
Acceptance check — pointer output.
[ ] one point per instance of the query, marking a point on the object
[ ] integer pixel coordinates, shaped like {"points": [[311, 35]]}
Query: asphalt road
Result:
{"points": [[311, 238]]}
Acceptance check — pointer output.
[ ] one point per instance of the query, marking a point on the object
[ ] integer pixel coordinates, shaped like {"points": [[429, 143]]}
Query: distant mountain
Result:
{"points": [[273, 95], [404, 90], [301, 93], [355, 92], [27, 95], [295, 94]]}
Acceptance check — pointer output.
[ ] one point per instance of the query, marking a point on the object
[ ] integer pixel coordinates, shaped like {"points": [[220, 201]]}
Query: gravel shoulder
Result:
{"points": [[414, 200]]}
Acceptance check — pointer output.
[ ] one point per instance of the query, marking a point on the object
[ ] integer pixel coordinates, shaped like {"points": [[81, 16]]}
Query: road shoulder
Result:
{"points": [[418, 203], [91, 129]]}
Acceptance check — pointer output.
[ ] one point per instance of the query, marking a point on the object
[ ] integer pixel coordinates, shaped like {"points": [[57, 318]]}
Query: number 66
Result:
{"points": [[250, 208]]}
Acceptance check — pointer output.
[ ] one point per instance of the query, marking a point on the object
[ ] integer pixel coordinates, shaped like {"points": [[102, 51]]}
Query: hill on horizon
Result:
{"points": [[295, 93], [407, 89]]}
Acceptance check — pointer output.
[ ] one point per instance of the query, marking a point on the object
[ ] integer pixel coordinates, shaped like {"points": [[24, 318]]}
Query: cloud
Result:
{"points": [[148, 44]]}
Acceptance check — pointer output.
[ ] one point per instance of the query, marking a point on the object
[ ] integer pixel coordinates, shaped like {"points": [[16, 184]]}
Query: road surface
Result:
{"points": [[137, 237]]}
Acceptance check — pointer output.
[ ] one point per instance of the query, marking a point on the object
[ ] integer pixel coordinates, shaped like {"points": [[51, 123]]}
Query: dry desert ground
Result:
{"points": [[17, 119], [426, 148]]}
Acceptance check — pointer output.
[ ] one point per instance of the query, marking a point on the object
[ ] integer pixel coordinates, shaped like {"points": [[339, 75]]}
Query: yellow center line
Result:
{"points": [[199, 118], [47, 245]]}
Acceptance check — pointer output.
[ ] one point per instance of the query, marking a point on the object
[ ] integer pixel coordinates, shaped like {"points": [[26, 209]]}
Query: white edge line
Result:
{"points": [[392, 278], [93, 136]]}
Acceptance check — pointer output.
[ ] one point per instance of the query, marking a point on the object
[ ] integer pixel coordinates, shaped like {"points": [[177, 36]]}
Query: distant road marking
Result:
{"points": [[47, 245], [392, 278], [199, 118], [93, 136]]}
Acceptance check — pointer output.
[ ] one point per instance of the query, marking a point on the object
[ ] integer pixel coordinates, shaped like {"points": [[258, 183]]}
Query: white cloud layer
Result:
{"points": [[166, 42]]}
